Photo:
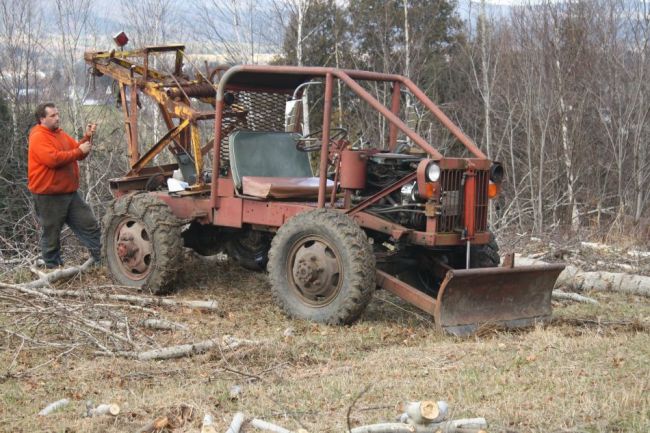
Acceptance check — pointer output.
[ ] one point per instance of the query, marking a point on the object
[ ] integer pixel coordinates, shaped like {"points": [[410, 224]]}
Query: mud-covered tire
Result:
{"points": [[344, 261], [485, 256], [141, 243], [250, 249]]}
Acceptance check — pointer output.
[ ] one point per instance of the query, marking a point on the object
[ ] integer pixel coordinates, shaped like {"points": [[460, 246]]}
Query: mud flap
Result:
{"points": [[510, 297]]}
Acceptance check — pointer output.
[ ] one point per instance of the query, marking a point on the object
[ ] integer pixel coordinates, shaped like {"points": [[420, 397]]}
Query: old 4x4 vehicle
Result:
{"points": [[330, 222]]}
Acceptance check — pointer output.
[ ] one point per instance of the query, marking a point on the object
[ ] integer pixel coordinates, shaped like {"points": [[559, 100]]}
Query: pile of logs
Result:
{"points": [[417, 417], [424, 416]]}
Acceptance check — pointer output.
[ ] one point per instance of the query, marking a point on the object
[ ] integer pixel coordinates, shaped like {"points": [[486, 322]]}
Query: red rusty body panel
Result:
{"points": [[230, 212], [353, 169], [188, 207], [272, 214], [226, 187]]}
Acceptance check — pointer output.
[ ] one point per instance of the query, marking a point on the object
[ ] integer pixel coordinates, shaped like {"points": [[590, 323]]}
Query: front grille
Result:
{"points": [[452, 183]]}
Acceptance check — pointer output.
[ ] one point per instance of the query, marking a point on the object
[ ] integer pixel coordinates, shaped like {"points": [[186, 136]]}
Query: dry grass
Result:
{"points": [[592, 376]]}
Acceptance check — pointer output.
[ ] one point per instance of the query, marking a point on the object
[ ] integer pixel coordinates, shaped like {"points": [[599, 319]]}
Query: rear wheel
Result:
{"points": [[250, 249], [141, 243], [322, 267]]}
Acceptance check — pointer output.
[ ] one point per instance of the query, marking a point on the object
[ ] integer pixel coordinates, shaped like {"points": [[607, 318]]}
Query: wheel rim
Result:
{"points": [[314, 270], [133, 250]]}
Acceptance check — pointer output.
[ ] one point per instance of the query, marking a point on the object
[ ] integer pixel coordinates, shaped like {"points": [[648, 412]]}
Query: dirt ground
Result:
{"points": [[586, 371]]}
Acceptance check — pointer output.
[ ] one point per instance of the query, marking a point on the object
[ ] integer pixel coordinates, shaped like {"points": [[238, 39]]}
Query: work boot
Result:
{"points": [[41, 264]]}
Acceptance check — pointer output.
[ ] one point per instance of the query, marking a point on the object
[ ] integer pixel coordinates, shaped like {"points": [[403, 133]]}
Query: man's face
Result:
{"points": [[51, 119]]}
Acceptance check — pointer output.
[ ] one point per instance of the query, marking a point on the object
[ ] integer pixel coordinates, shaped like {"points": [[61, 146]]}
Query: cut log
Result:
{"points": [[162, 325], [574, 279], [54, 406], [389, 427], [264, 425], [138, 300], [208, 424], [558, 294], [60, 274], [105, 409], [182, 350], [423, 412], [469, 425], [236, 423]]}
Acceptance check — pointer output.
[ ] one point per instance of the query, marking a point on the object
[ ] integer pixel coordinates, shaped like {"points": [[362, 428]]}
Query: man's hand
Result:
{"points": [[85, 147], [90, 130]]}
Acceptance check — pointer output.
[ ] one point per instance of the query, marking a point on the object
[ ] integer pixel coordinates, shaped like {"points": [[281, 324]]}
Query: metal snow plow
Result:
{"points": [[468, 299]]}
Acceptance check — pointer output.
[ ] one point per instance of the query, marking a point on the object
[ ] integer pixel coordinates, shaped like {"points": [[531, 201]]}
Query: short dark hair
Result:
{"points": [[40, 110]]}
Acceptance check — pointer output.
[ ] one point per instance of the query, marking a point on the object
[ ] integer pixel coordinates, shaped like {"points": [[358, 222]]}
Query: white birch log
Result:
{"points": [[389, 427], [132, 299], [105, 409], [573, 278], [264, 425], [208, 424], [236, 423], [182, 350], [162, 325], [60, 274], [424, 412], [557, 294], [54, 406], [170, 352], [475, 425]]}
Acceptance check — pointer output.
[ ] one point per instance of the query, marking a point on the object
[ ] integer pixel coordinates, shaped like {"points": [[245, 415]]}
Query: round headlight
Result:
{"points": [[433, 172], [496, 172], [408, 192]]}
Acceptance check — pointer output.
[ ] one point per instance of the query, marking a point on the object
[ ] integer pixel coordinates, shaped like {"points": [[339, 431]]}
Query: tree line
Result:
{"points": [[556, 91]]}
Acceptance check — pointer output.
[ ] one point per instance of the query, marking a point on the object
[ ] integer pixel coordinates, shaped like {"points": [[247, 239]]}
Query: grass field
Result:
{"points": [[568, 376]]}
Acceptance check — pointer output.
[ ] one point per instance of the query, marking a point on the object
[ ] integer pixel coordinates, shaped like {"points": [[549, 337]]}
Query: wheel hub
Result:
{"points": [[133, 248], [126, 248], [316, 271]]}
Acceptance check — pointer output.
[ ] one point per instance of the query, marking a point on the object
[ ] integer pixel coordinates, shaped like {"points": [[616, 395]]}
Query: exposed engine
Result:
{"points": [[404, 206]]}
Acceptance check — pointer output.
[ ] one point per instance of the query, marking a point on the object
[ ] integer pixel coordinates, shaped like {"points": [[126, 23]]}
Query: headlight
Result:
{"points": [[496, 172], [408, 193], [433, 172]]}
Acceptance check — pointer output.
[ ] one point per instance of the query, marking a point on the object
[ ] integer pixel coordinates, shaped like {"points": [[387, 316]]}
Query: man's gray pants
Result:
{"points": [[53, 210]]}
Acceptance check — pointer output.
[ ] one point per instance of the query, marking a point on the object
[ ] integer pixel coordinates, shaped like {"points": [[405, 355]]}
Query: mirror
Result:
{"points": [[293, 116]]}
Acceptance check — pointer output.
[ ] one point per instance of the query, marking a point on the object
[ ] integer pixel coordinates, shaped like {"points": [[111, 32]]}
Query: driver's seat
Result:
{"points": [[268, 165]]}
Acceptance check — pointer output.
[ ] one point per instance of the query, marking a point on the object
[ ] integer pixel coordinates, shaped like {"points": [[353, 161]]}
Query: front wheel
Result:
{"points": [[322, 267], [141, 243]]}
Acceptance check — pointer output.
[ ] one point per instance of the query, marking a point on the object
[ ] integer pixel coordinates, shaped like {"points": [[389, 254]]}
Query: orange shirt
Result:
{"points": [[52, 163]]}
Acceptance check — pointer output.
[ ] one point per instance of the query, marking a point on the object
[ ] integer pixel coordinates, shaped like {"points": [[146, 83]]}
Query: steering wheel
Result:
{"points": [[312, 142]]}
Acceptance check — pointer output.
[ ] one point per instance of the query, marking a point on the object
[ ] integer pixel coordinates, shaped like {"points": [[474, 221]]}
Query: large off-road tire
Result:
{"points": [[141, 243], [322, 267], [485, 256], [250, 249], [204, 239], [423, 277]]}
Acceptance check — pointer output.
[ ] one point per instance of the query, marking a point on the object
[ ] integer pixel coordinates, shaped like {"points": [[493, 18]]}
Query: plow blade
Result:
{"points": [[510, 297]]}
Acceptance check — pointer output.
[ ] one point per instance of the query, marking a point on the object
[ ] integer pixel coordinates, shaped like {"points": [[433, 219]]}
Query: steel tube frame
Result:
{"points": [[327, 116], [348, 77]]}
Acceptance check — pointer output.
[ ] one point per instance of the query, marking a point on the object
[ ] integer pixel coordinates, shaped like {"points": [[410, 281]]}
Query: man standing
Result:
{"points": [[53, 179]]}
